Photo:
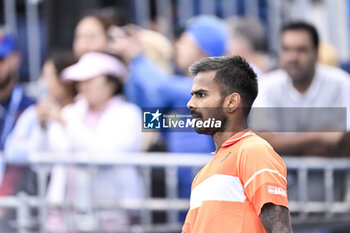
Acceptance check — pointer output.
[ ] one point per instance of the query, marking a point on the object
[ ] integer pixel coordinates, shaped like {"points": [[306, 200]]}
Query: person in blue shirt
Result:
{"points": [[148, 86], [12, 97], [13, 101]]}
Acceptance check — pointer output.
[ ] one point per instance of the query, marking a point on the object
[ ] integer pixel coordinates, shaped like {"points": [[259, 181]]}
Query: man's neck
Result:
{"points": [[303, 85], [220, 137]]}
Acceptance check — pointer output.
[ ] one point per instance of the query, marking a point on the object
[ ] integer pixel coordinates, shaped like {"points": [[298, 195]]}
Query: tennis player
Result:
{"points": [[243, 188]]}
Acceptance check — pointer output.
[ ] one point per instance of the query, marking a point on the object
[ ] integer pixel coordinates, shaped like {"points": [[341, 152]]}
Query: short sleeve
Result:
{"points": [[263, 174]]}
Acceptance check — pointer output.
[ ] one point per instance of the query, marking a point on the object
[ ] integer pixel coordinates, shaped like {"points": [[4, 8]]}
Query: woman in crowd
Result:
{"points": [[91, 33], [94, 32], [101, 122]]}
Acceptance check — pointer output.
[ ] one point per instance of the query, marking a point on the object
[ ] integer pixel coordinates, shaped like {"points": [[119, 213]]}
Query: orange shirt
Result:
{"points": [[228, 193]]}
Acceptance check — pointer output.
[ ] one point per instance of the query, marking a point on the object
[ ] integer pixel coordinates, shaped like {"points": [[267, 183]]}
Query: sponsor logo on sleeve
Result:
{"points": [[277, 190]]}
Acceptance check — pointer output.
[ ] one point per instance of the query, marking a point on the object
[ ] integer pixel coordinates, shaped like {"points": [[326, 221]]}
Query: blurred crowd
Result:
{"points": [[93, 94]]}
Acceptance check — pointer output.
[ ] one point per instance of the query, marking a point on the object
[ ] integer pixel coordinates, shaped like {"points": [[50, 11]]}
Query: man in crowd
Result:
{"points": [[248, 40], [12, 103], [304, 105], [302, 83]]}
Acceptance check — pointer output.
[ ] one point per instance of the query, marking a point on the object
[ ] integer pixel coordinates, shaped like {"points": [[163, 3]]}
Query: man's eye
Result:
{"points": [[201, 95]]}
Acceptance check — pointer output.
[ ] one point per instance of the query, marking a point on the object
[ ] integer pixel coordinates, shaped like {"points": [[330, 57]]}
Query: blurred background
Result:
{"points": [[44, 25], [43, 155]]}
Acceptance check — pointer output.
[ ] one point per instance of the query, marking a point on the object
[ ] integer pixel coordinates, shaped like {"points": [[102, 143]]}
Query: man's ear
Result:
{"points": [[232, 102]]}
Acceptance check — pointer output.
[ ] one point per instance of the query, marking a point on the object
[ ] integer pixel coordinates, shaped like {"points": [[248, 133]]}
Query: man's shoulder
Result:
{"points": [[333, 74], [334, 81], [256, 147], [332, 71], [254, 142]]}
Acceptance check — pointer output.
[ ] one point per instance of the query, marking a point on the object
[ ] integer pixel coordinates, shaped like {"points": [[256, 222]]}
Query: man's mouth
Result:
{"points": [[293, 66], [196, 115]]}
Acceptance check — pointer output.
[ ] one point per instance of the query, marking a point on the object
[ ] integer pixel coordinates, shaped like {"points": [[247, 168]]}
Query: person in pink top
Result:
{"points": [[101, 121]]}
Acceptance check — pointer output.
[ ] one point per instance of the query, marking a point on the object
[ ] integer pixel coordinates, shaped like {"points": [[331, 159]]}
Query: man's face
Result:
{"points": [[187, 52], [206, 101], [298, 55]]}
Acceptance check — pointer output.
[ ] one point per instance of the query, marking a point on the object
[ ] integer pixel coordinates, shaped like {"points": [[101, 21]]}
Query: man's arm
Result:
{"points": [[276, 219], [303, 143]]}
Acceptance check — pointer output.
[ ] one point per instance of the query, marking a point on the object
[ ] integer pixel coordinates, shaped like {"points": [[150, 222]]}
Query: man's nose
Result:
{"points": [[190, 104], [293, 55]]}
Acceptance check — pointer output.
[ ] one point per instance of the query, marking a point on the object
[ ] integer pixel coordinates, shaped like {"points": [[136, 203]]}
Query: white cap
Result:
{"points": [[94, 64]]}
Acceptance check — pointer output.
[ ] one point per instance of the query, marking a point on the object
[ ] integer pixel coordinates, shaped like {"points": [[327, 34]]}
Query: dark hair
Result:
{"points": [[105, 22], [300, 25], [108, 17], [61, 58], [233, 74], [113, 79]]}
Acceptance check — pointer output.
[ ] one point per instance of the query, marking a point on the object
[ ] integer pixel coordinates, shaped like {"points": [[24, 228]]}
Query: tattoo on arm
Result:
{"points": [[276, 219]]}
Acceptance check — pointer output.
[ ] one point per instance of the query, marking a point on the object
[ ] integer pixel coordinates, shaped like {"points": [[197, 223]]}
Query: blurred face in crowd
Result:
{"points": [[206, 101], [298, 55], [90, 35], [8, 68], [55, 87], [187, 52], [97, 91]]}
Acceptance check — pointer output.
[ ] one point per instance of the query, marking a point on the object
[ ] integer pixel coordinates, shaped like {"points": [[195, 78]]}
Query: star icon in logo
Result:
{"points": [[156, 115]]}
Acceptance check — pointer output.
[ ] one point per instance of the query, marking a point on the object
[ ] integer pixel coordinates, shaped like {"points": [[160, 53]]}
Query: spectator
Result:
{"points": [[91, 34], [100, 121], [13, 101], [301, 82], [29, 133], [150, 87], [302, 87], [248, 39]]}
